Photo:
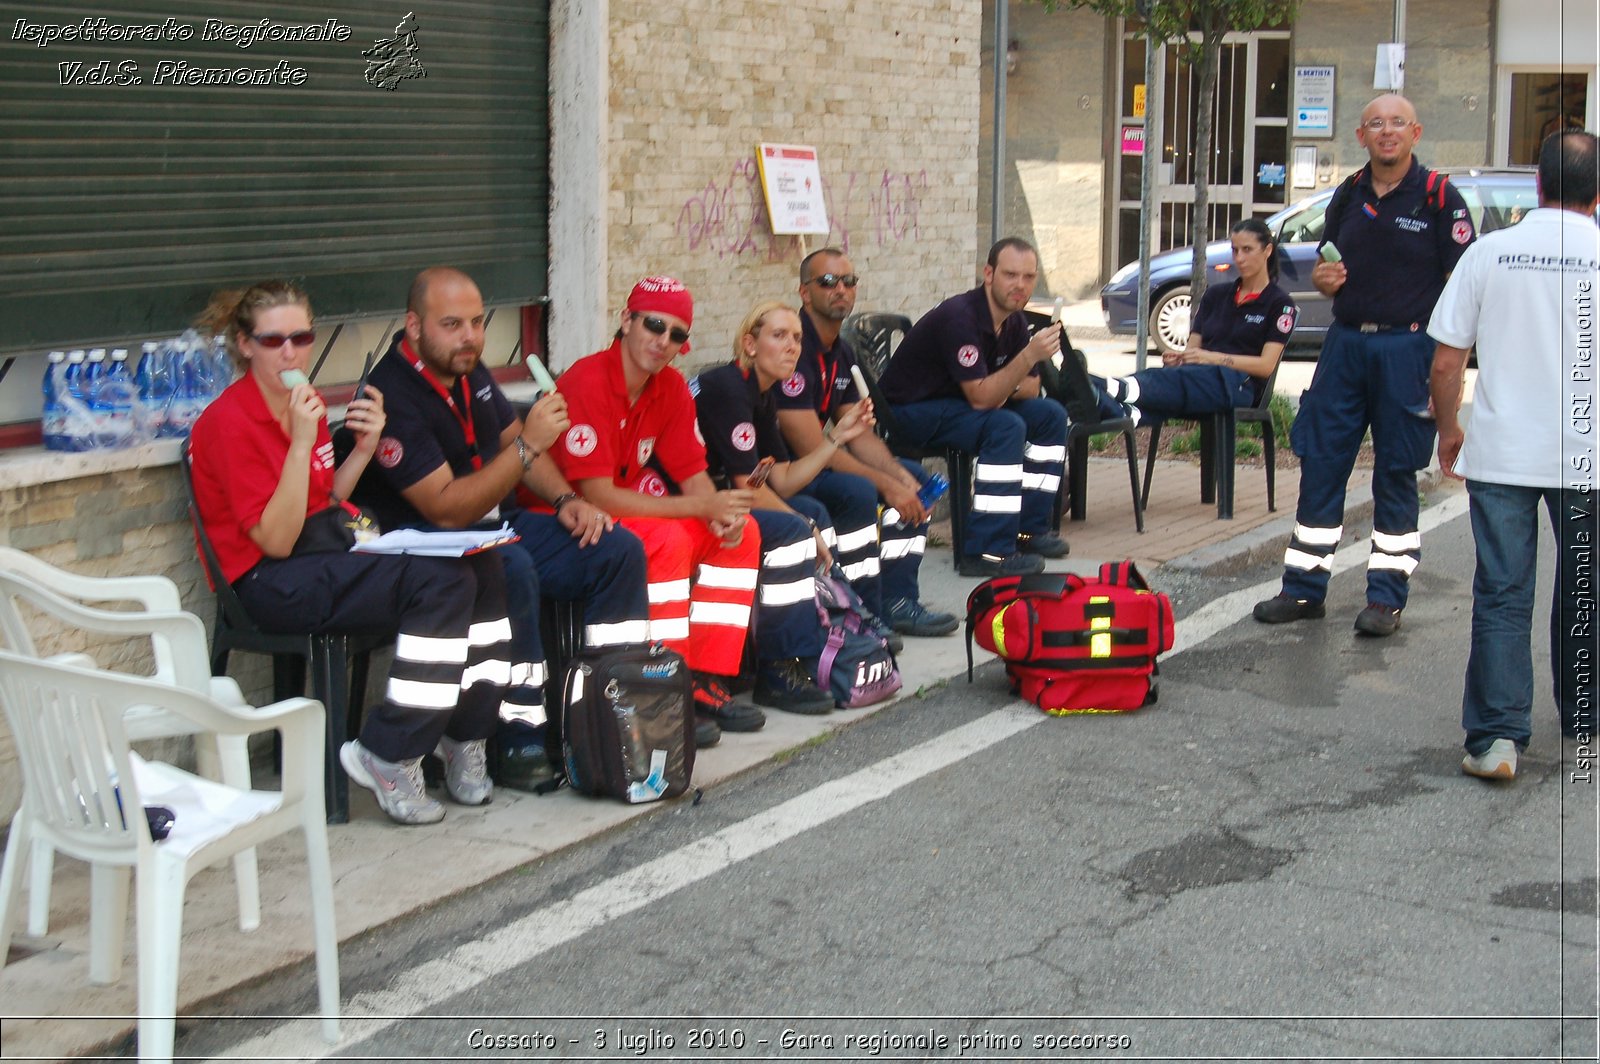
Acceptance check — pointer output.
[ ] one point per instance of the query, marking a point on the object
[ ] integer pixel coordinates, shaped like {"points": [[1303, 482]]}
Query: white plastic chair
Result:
{"points": [[178, 648], [78, 778]]}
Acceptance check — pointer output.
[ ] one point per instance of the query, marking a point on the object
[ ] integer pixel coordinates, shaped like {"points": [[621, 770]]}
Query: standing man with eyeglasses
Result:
{"points": [[452, 453], [967, 376], [881, 564], [1399, 229]]}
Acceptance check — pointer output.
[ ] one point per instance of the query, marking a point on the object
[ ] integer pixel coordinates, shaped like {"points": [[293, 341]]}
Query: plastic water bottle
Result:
{"points": [[114, 398], [932, 491], [77, 433], [223, 370], [190, 391], [154, 387], [53, 415]]}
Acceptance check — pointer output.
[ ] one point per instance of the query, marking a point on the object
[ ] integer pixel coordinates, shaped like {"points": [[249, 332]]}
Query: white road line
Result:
{"points": [[1220, 613], [474, 963]]}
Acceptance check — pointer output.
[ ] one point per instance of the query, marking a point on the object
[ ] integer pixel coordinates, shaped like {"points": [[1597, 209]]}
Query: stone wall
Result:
{"points": [[887, 93]]}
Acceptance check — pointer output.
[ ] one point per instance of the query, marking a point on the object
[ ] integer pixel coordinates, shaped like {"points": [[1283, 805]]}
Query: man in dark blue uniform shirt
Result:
{"points": [[451, 454], [967, 377], [882, 564], [1400, 229]]}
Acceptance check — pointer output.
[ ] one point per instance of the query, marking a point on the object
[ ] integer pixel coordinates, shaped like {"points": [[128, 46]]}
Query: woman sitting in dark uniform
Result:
{"points": [[1235, 341], [738, 416], [272, 504]]}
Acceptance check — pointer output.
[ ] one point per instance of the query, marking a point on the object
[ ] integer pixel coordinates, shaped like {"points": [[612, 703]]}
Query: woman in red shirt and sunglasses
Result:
{"points": [[271, 501]]}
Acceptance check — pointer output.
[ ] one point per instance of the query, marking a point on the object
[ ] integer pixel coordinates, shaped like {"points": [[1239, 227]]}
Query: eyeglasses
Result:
{"points": [[828, 280], [303, 338], [1378, 125], [659, 326]]}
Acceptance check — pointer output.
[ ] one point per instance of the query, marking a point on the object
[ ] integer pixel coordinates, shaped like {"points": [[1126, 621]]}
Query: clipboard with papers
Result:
{"points": [[439, 544]]}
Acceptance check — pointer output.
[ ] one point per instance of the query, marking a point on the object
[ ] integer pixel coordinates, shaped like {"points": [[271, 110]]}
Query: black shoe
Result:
{"points": [[913, 618], [1045, 544], [994, 565], [792, 687], [712, 699], [517, 758], [706, 733], [1378, 620], [1281, 609]]}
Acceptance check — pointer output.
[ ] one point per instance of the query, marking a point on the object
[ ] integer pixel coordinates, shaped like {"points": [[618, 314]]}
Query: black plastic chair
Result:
{"points": [[1218, 435], [873, 338], [339, 661], [1070, 386]]}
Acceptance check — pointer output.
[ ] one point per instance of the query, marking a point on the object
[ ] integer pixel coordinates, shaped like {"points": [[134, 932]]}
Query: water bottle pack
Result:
{"points": [[92, 401]]}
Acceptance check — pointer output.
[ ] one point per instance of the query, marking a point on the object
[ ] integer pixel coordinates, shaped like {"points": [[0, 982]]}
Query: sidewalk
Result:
{"points": [[382, 872]]}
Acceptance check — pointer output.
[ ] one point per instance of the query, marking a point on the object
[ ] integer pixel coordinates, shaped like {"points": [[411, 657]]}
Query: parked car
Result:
{"points": [[1496, 197]]}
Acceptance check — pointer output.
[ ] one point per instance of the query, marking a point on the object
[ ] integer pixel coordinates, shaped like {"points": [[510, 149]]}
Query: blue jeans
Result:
{"points": [[1498, 700]]}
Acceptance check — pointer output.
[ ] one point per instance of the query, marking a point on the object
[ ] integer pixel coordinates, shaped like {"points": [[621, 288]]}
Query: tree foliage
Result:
{"points": [[1194, 28]]}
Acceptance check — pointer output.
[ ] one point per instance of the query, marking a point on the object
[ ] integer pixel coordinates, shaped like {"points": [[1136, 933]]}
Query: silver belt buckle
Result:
{"points": [[1370, 326]]}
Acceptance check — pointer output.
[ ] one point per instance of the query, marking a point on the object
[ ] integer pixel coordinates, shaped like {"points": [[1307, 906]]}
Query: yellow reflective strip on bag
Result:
{"points": [[998, 629], [1100, 640]]}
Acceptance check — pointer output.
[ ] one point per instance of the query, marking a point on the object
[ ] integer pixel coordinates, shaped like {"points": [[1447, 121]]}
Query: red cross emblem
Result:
{"points": [[581, 440], [390, 452], [744, 436]]}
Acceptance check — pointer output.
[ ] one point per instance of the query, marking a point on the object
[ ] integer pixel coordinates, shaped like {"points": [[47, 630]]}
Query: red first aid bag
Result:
{"points": [[1071, 644]]}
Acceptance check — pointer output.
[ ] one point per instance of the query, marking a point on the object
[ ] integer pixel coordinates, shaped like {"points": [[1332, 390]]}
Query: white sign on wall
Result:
{"points": [[1313, 101], [791, 179]]}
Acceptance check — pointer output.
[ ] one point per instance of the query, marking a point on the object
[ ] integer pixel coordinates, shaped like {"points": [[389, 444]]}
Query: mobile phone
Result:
{"points": [[758, 476], [293, 378], [361, 384], [1330, 253], [1055, 315]]}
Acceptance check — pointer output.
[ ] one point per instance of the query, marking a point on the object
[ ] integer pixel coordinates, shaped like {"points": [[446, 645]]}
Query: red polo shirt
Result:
{"points": [[237, 450], [633, 446]]}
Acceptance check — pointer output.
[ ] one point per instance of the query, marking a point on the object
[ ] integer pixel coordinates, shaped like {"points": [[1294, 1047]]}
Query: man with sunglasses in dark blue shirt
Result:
{"points": [[882, 564]]}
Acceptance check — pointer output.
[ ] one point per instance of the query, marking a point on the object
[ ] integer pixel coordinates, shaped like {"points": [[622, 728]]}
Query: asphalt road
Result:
{"points": [[1280, 860]]}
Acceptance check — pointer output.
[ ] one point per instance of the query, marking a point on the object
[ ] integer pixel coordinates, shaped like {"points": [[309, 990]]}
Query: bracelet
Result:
{"points": [[562, 500], [525, 453]]}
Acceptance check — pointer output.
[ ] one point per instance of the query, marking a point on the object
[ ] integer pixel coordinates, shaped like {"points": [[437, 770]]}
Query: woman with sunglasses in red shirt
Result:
{"points": [[271, 501]]}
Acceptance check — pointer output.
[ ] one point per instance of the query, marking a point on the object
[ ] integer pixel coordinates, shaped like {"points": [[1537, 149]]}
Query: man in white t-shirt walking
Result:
{"points": [[1526, 297]]}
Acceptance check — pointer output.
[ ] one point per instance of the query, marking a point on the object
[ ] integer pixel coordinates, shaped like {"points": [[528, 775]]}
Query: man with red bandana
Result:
{"points": [[633, 439]]}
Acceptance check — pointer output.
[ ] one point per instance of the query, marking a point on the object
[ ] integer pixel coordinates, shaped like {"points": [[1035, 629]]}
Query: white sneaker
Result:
{"points": [[398, 785], [466, 770], [1499, 762]]}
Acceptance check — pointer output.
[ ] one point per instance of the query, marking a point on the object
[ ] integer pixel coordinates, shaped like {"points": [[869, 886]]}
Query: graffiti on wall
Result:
{"points": [[729, 217]]}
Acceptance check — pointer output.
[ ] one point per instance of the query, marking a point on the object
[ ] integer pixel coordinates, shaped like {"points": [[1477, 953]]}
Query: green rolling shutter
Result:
{"points": [[122, 207]]}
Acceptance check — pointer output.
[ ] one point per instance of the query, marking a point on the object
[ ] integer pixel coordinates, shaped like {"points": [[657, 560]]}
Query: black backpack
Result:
{"points": [[627, 723]]}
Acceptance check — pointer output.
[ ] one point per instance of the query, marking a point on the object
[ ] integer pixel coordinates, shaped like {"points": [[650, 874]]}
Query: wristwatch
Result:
{"points": [[525, 453], [562, 500]]}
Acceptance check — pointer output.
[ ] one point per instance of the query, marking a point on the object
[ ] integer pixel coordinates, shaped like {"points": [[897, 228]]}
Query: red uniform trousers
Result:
{"points": [[700, 591]]}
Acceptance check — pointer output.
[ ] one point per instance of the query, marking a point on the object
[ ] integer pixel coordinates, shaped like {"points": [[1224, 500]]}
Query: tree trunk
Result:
{"points": [[1199, 230]]}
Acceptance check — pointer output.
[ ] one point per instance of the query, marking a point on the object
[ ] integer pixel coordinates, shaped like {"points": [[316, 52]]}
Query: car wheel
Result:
{"points": [[1169, 319]]}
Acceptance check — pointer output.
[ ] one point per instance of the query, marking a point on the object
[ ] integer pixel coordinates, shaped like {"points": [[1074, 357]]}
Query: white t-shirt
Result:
{"points": [[1527, 297]]}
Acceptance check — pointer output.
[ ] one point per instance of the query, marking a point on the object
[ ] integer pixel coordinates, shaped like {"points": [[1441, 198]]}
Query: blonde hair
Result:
{"points": [[752, 325], [233, 311]]}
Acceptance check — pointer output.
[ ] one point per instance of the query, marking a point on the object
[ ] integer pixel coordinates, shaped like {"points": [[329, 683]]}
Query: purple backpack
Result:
{"points": [[857, 667]]}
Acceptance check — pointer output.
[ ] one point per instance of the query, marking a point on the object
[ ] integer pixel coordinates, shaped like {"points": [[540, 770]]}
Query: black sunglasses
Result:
{"points": [[303, 338], [659, 326], [828, 280]]}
